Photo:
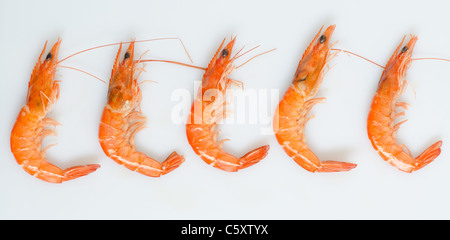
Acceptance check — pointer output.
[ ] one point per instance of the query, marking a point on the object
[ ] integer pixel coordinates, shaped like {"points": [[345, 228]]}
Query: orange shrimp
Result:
{"points": [[380, 123], [122, 119], [31, 125], [291, 115], [206, 110]]}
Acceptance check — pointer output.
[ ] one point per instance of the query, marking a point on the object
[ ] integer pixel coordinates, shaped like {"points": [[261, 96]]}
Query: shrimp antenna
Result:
{"points": [[439, 59], [113, 44], [271, 50], [238, 56], [173, 62], [348, 52], [79, 70]]}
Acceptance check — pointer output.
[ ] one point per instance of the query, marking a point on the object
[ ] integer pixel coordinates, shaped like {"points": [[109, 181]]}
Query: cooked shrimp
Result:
{"points": [[207, 110], [31, 124], [380, 123], [291, 115], [122, 119]]}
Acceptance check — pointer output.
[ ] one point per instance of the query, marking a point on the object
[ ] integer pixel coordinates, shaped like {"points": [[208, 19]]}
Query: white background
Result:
{"points": [[275, 188]]}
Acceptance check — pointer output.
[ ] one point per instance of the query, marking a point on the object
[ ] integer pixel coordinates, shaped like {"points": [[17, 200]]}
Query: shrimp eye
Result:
{"points": [[49, 56], [127, 55], [404, 49], [303, 79], [322, 39], [225, 52]]}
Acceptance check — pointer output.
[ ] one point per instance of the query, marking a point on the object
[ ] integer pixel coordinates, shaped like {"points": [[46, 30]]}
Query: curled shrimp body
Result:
{"points": [[291, 115], [122, 119], [381, 127], [207, 110], [31, 125]]}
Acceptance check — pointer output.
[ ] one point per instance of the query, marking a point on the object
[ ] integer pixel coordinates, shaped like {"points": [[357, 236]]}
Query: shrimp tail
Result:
{"points": [[335, 166], [173, 161], [79, 171], [253, 156], [428, 155]]}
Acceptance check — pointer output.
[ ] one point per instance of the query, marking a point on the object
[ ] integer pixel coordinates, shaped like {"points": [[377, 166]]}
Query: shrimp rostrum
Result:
{"points": [[32, 124], [208, 110]]}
